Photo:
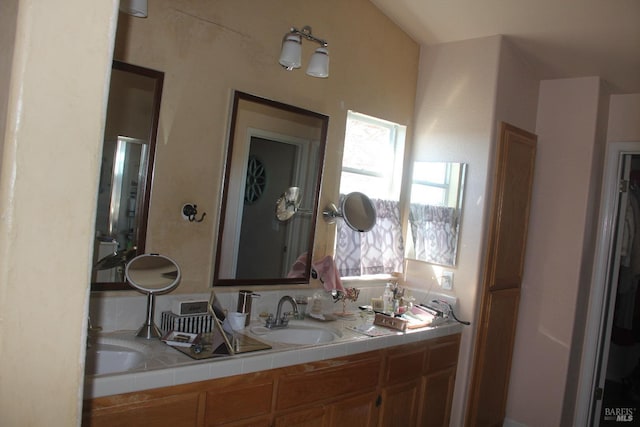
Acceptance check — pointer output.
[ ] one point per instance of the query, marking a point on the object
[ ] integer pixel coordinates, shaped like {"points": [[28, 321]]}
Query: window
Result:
{"points": [[372, 164], [373, 157], [436, 183]]}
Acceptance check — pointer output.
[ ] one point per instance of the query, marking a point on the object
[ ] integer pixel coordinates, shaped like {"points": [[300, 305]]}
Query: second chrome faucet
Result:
{"points": [[282, 320]]}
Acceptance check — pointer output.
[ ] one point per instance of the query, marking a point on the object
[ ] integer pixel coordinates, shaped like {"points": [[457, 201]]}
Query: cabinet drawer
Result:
{"points": [[442, 354], [176, 411], [326, 383]]}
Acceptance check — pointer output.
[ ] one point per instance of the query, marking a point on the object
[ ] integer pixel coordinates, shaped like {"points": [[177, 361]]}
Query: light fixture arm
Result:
{"points": [[306, 33]]}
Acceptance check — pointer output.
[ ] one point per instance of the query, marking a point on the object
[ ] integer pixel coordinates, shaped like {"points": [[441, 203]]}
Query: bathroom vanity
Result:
{"points": [[402, 379]]}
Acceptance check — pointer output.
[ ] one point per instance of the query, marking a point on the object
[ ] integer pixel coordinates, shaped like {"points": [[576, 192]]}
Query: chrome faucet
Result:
{"points": [[281, 320]]}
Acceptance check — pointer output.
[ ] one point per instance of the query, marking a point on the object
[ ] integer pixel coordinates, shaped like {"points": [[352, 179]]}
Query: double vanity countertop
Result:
{"points": [[165, 366]]}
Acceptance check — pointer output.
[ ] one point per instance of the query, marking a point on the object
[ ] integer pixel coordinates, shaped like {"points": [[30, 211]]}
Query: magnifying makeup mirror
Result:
{"points": [[357, 210], [152, 274], [288, 204]]}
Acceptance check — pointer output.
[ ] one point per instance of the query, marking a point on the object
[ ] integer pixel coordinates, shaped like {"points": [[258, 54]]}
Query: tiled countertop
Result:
{"points": [[166, 366]]}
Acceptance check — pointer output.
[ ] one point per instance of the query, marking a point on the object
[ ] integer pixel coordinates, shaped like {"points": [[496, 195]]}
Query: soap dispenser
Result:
{"points": [[244, 304]]}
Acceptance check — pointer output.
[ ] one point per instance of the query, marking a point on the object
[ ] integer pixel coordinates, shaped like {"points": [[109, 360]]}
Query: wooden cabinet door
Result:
{"points": [[502, 277], [437, 396], [236, 399], [310, 417], [313, 385], [400, 405], [510, 208], [359, 411]]}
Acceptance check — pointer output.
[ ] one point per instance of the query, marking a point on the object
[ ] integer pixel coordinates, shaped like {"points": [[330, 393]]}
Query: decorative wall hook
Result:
{"points": [[189, 211]]}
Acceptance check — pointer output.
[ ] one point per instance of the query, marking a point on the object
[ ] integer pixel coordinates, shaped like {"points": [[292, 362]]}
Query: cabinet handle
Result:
{"points": [[378, 401]]}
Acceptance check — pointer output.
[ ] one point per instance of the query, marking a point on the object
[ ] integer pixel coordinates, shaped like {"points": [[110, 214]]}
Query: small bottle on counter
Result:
{"points": [[387, 298]]}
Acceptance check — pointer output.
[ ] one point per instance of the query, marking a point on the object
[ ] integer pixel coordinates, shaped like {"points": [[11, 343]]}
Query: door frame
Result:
{"points": [[601, 287]]}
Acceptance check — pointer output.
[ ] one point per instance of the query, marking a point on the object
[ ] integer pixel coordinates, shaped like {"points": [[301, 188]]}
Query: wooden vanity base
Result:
{"points": [[407, 385]]}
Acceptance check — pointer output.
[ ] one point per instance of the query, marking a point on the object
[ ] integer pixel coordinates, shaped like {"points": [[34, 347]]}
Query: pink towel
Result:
{"points": [[299, 266], [325, 268], [328, 274]]}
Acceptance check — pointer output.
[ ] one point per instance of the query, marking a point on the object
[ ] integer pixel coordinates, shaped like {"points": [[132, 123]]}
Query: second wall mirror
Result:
{"points": [[272, 148], [127, 168], [437, 191]]}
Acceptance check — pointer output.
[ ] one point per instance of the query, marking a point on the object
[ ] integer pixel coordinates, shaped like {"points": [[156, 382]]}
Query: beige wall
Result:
{"points": [[624, 111], [54, 70], [464, 89], [8, 16], [206, 50], [560, 247]]}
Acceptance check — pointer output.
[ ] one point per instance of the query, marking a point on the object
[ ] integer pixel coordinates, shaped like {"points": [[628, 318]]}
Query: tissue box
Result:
{"points": [[390, 322]]}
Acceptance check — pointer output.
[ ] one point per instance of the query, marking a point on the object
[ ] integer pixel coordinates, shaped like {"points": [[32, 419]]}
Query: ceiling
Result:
{"points": [[560, 38]]}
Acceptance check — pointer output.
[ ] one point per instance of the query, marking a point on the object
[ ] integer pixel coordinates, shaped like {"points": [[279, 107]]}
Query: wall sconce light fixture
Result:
{"points": [[290, 57]]}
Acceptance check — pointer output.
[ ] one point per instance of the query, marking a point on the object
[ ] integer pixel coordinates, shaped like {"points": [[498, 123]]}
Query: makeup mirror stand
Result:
{"points": [[149, 329], [152, 274]]}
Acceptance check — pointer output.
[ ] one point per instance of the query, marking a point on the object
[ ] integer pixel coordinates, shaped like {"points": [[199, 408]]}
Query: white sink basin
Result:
{"points": [[297, 334], [109, 356]]}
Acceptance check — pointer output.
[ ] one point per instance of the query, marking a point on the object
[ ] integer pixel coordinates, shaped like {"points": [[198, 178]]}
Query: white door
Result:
{"points": [[610, 247]]}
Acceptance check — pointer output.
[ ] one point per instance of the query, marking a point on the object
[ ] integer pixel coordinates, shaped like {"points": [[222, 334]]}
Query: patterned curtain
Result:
{"points": [[435, 233], [378, 251]]}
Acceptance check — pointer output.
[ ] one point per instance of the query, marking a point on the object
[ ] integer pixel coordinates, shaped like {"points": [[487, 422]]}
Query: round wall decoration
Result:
{"points": [[256, 180]]}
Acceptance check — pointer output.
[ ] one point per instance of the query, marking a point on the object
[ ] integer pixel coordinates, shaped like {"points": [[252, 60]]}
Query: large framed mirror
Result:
{"points": [[275, 156], [435, 212], [127, 169]]}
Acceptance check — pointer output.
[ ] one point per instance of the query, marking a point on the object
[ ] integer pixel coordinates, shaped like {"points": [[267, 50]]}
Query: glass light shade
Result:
{"points": [[319, 64], [136, 8], [291, 52]]}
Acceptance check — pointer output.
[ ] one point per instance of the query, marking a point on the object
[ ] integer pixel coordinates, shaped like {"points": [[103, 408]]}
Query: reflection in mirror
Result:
{"points": [[288, 204], [152, 274], [125, 177], [435, 212], [272, 147], [357, 210]]}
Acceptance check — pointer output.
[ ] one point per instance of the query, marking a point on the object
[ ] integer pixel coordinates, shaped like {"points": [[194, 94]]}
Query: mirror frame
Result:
{"points": [[141, 223], [239, 96]]}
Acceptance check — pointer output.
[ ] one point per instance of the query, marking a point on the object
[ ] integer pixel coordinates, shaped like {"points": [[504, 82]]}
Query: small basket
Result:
{"points": [[194, 324]]}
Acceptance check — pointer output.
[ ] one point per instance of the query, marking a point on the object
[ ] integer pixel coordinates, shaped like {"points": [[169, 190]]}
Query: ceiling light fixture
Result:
{"points": [[290, 57]]}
